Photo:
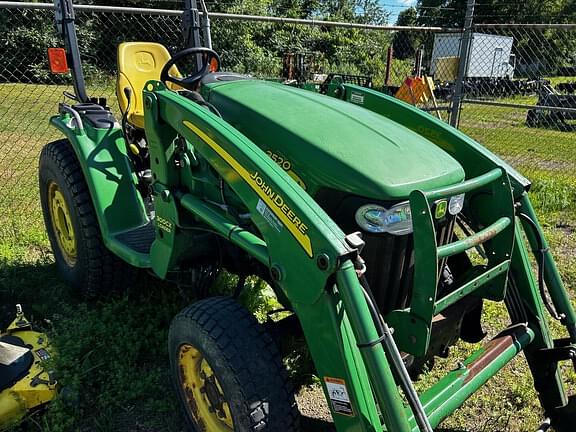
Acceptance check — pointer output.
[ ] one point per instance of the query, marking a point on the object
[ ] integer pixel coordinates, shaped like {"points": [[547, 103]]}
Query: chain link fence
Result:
{"points": [[29, 93], [520, 92], [516, 87]]}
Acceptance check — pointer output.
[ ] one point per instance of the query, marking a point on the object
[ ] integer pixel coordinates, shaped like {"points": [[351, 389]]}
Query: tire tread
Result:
{"points": [[104, 272], [244, 345]]}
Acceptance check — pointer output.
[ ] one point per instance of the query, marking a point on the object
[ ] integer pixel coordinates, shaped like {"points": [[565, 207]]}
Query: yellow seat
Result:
{"points": [[139, 62]]}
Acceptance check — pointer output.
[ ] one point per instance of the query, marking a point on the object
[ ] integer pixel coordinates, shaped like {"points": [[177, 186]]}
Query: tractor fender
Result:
{"points": [[102, 155]]}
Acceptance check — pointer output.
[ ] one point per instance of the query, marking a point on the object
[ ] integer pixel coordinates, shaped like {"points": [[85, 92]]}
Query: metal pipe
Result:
{"points": [[513, 105], [470, 287], [65, 23], [233, 17], [463, 63], [455, 388], [389, 60], [438, 108], [206, 25], [475, 239], [374, 358], [191, 29], [468, 185], [529, 26], [418, 62], [251, 243], [397, 362], [65, 108], [552, 276]]}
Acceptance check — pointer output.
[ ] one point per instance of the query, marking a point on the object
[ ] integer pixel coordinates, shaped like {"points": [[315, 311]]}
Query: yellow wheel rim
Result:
{"points": [[62, 223], [204, 396]]}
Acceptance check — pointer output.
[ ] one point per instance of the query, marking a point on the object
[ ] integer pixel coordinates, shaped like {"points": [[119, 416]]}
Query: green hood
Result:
{"points": [[333, 144]]}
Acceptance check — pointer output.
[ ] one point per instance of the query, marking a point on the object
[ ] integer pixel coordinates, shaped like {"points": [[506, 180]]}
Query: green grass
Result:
{"points": [[112, 359], [548, 158], [25, 110]]}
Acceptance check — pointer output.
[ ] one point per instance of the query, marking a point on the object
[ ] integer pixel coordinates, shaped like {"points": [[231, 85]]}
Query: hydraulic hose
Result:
{"points": [[395, 359], [541, 266]]}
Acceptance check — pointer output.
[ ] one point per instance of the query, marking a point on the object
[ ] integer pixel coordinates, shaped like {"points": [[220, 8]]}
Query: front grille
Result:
{"points": [[390, 266], [389, 259], [389, 269]]}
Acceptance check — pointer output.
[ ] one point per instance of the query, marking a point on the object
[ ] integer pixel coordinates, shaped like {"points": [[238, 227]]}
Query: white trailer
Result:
{"points": [[490, 55]]}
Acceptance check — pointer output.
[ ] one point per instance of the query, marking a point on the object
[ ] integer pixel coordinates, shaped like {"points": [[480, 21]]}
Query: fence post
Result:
{"points": [[463, 63]]}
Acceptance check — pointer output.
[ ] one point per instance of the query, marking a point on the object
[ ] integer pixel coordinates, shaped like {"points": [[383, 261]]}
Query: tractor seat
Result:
{"points": [[139, 62]]}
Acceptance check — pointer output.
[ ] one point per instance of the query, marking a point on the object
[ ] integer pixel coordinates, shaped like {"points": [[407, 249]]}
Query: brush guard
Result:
{"points": [[501, 237], [413, 324]]}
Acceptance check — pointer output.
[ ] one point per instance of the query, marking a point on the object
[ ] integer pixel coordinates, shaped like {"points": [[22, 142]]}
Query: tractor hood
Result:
{"points": [[324, 142]]}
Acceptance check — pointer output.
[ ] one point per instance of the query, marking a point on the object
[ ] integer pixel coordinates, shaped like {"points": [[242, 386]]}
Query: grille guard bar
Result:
{"points": [[493, 209]]}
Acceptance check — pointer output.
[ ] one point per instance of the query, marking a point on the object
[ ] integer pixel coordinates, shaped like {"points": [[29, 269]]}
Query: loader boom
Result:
{"points": [[312, 263]]}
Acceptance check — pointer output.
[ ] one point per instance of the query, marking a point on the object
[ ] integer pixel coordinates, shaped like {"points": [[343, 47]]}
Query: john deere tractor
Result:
{"points": [[380, 229]]}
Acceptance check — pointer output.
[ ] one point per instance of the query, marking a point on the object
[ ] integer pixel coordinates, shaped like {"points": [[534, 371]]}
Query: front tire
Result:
{"points": [[228, 371], [81, 257]]}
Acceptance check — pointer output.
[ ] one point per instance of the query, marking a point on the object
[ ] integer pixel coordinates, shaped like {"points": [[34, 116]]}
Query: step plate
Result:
{"points": [[139, 239]]}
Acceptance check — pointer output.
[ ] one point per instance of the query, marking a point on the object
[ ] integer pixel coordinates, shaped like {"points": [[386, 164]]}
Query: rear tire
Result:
{"points": [[73, 230], [246, 365]]}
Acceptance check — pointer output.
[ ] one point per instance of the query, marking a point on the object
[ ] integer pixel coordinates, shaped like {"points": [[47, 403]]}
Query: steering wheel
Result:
{"points": [[190, 82]]}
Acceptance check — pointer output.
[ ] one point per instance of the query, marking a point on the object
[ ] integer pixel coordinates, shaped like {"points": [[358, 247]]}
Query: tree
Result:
{"points": [[405, 43], [450, 13]]}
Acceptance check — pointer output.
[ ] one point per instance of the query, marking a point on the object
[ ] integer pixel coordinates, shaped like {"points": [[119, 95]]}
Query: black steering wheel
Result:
{"points": [[190, 82]]}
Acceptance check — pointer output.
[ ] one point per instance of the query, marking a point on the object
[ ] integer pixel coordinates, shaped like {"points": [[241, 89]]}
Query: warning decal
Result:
{"points": [[270, 217], [42, 354], [338, 395], [357, 98]]}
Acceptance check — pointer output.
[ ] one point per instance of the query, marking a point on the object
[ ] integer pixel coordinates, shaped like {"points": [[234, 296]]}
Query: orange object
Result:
{"points": [[57, 60], [413, 91], [416, 90], [213, 65]]}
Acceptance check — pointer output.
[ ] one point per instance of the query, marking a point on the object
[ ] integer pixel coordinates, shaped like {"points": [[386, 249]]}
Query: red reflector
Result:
{"points": [[213, 65], [57, 60]]}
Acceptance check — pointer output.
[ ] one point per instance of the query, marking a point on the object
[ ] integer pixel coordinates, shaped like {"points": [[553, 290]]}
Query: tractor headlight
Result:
{"points": [[396, 220], [456, 204]]}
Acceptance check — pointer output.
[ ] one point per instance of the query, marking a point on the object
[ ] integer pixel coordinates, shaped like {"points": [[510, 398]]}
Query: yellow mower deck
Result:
{"points": [[32, 385]]}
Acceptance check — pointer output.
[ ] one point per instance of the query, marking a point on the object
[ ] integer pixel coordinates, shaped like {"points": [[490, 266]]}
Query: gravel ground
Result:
{"points": [[316, 416]]}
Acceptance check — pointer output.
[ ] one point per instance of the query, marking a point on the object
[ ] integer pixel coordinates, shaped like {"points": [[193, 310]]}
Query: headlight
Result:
{"points": [[456, 204], [396, 220]]}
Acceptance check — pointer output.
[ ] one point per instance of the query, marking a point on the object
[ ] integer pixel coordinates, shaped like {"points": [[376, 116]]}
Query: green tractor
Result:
{"points": [[380, 229]]}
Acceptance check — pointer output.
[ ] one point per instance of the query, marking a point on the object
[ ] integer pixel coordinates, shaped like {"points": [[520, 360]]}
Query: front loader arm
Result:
{"points": [[307, 254], [475, 159]]}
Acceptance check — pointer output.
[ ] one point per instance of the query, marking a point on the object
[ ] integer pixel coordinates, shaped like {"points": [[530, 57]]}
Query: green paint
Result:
{"points": [[440, 210], [106, 167], [453, 389], [475, 159], [273, 141], [480, 237], [331, 143]]}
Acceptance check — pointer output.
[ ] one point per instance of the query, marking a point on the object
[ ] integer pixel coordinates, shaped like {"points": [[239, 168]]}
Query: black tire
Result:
{"points": [[245, 361], [95, 270]]}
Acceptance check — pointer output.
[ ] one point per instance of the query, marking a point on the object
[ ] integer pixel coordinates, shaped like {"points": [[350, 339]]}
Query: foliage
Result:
{"points": [[405, 44], [246, 47], [450, 13]]}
